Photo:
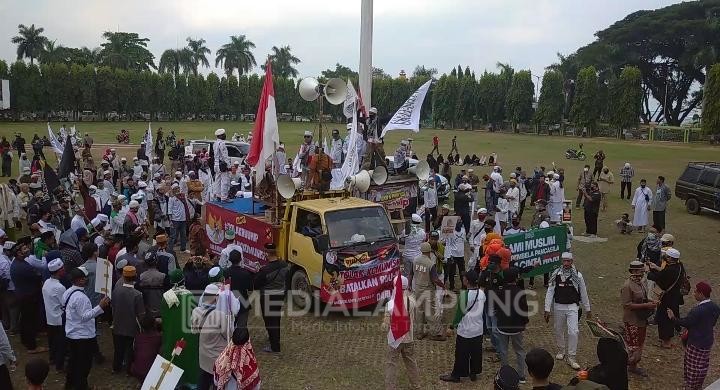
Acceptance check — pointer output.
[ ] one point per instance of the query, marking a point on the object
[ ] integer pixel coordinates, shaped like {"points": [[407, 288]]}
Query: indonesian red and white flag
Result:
{"points": [[400, 324], [265, 136]]}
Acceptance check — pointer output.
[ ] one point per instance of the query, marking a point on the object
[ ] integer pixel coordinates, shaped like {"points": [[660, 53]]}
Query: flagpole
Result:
{"points": [[366, 36]]}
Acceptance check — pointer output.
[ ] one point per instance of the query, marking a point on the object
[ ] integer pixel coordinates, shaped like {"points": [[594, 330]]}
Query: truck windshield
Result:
{"points": [[351, 226]]}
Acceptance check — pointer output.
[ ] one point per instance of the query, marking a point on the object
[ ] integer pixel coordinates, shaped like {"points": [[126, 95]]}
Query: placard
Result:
{"points": [[537, 251], [103, 277], [163, 375]]}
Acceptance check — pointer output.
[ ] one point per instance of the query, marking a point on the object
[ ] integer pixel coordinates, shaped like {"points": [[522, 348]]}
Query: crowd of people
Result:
{"points": [[142, 219]]}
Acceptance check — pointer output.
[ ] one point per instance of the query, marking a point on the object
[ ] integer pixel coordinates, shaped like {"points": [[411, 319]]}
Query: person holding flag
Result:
{"points": [[400, 335], [265, 136]]}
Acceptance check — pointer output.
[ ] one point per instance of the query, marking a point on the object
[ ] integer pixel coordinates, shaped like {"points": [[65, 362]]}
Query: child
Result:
{"points": [[36, 371], [539, 365], [623, 224], [147, 346]]}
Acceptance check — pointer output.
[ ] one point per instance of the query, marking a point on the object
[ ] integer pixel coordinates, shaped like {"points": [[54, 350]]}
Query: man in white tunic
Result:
{"points": [[222, 178], [411, 243], [641, 203], [336, 149]]}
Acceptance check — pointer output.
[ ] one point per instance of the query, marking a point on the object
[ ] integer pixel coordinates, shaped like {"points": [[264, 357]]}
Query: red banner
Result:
{"points": [[224, 227], [359, 279]]}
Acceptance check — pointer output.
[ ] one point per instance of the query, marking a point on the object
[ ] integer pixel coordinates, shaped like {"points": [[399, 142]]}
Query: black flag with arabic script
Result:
{"points": [[67, 163]]}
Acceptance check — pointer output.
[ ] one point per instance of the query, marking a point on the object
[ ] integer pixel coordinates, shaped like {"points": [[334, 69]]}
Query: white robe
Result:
{"points": [[207, 180], [641, 206]]}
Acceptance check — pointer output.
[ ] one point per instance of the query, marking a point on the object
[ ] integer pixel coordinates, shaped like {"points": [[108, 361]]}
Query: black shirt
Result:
{"points": [[593, 205], [551, 386], [241, 282]]}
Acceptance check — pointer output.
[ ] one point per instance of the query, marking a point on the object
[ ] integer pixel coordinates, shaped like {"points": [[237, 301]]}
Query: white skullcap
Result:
{"points": [[55, 265], [234, 183], [513, 175], [308, 132], [191, 172], [106, 173], [113, 150], [178, 173], [236, 162], [219, 131], [403, 142], [212, 289], [92, 188], [482, 210], [446, 206], [544, 224], [627, 165], [134, 203], [121, 263], [373, 110], [175, 185], [123, 159], [135, 158], [84, 270], [416, 218], [121, 197], [550, 173], [136, 196], [10, 244], [566, 256], [142, 184], [348, 126], [496, 167], [214, 271], [26, 169], [674, 253]]}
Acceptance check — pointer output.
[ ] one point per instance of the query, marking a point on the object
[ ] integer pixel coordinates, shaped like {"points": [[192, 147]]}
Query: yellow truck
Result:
{"points": [[341, 250]]}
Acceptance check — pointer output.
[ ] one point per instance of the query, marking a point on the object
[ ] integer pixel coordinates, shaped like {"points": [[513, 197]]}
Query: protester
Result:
{"points": [[237, 367], [411, 243], [147, 345], [180, 214], [641, 203], [424, 279], [605, 181], [637, 308], [241, 282], [469, 334], [152, 283], [626, 175], [213, 326], [539, 365], [270, 281], [455, 254], [28, 292], [612, 370], [660, 201], [52, 292], [128, 310], [591, 207], [583, 181], [431, 203], [564, 296], [404, 348], [222, 163], [80, 329], [36, 372], [8, 360], [669, 279], [700, 324], [512, 317]]}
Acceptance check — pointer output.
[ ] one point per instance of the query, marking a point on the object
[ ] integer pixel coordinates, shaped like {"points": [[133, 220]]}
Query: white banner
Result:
{"points": [[352, 160], [407, 116], [149, 143], [54, 141], [349, 107]]}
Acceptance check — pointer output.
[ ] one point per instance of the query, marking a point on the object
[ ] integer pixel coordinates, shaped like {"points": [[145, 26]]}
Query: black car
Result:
{"points": [[699, 186]]}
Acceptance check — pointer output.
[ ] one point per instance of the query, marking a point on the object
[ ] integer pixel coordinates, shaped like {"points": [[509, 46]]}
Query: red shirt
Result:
{"points": [[436, 140]]}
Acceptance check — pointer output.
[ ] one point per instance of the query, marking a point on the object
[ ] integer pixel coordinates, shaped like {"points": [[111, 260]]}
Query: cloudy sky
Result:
{"points": [[435, 33]]}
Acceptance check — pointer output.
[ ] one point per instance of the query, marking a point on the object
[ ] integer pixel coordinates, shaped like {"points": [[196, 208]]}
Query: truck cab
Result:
{"points": [[326, 238]]}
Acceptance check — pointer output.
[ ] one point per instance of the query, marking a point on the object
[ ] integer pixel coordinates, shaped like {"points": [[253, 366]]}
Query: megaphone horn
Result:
{"points": [[422, 170], [335, 91], [379, 175], [359, 181], [287, 185], [309, 89]]}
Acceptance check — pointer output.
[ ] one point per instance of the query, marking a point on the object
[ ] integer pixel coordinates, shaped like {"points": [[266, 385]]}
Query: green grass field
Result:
{"points": [[338, 352]]}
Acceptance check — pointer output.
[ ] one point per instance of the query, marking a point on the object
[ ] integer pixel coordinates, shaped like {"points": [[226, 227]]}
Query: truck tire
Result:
{"points": [[301, 288], [692, 205]]}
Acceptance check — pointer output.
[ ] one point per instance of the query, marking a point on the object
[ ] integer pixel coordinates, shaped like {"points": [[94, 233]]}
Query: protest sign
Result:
{"points": [[103, 277], [537, 251]]}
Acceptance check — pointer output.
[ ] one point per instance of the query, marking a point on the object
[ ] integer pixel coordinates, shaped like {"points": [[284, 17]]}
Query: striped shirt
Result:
{"points": [[626, 174]]}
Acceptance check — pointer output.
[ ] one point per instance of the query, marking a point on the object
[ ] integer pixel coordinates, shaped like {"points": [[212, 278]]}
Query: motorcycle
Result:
{"points": [[575, 154]]}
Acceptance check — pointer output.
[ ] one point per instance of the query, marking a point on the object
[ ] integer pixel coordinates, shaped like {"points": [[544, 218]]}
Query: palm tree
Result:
{"points": [[53, 53], [127, 51], [30, 42], [282, 62], [198, 52], [173, 60], [236, 55]]}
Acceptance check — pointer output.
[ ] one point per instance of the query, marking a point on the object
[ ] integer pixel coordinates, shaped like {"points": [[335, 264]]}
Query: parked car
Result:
{"points": [[236, 150], [699, 186]]}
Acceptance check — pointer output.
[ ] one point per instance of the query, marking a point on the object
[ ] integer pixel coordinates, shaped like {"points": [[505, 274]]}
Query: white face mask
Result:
{"points": [[586, 169]]}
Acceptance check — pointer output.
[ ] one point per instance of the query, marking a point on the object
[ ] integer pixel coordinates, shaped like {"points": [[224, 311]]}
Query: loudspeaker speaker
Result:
{"points": [[421, 170], [379, 175], [359, 181], [309, 89], [335, 91], [287, 185]]}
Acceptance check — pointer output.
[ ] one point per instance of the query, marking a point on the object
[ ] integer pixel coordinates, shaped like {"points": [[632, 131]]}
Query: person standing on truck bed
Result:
{"points": [[271, 282], [222, 163]]}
